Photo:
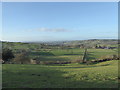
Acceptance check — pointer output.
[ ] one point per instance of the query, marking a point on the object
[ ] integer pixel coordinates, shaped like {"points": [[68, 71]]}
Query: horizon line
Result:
{"points": [[59, 40]]}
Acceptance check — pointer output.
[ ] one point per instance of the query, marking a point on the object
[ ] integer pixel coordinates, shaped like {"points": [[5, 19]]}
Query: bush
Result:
{"points": [[22, 59], [89, 62], [115, 56], [7, 55], [110, 57]]}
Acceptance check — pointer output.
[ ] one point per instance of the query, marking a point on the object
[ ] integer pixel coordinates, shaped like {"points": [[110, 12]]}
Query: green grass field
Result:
{"points": [[54, 54], [101, 75], [74, 75], [72, 54]]}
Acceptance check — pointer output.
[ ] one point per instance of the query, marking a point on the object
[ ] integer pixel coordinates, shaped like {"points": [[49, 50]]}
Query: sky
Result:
{"points": [[59, 21]]}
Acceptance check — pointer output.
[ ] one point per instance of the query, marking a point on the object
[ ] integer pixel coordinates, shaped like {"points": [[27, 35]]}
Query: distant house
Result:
{"points": [[103, 47]]}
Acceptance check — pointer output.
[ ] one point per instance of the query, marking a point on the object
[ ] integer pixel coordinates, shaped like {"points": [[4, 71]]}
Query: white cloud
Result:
{"points": [[50, 30]]}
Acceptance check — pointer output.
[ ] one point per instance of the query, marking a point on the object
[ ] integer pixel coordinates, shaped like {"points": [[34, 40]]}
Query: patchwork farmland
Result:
{"points": [[61, 64]]}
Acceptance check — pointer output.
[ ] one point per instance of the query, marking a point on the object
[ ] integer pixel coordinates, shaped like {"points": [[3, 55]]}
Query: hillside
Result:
{"points": [[102, 75]]}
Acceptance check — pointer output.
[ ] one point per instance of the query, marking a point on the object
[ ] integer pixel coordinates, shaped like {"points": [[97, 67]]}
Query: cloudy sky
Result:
{"points": [[29, 21]]}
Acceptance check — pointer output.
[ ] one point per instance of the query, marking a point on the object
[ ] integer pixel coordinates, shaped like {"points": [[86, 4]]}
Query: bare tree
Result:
{"points": [[85, 56]]}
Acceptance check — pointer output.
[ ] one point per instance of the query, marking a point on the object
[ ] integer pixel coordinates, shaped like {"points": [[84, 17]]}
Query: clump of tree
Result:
{"points": [[7, 55], [110, 57], [115, 57], [22, 58]]}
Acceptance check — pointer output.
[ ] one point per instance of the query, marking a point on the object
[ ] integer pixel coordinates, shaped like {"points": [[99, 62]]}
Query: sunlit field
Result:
{"points": [[101, 75]]}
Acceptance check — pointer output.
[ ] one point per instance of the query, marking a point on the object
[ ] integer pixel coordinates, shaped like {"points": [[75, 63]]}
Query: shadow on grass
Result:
{"points": [[80, 66], [46, 77], [90, 56], [42, 53], [52, 58], [73, 54]]}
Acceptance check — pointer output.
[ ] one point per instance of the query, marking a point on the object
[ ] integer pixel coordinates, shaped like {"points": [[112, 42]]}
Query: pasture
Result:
{"points": [[71, 54], [56, 53], [101, 75], [73, 75]]}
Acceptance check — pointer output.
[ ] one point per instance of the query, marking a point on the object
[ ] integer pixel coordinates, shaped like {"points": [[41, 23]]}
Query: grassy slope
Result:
{"points": [[102, 75]]}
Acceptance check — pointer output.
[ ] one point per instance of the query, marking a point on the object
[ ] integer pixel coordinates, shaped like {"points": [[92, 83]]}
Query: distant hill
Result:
{"points": [[77, 42], [95, 41]]}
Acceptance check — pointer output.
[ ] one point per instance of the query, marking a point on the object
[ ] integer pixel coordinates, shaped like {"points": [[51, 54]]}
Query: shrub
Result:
{"points": [[89, 62], [114, 56], [22, 58], [7, 55]]}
